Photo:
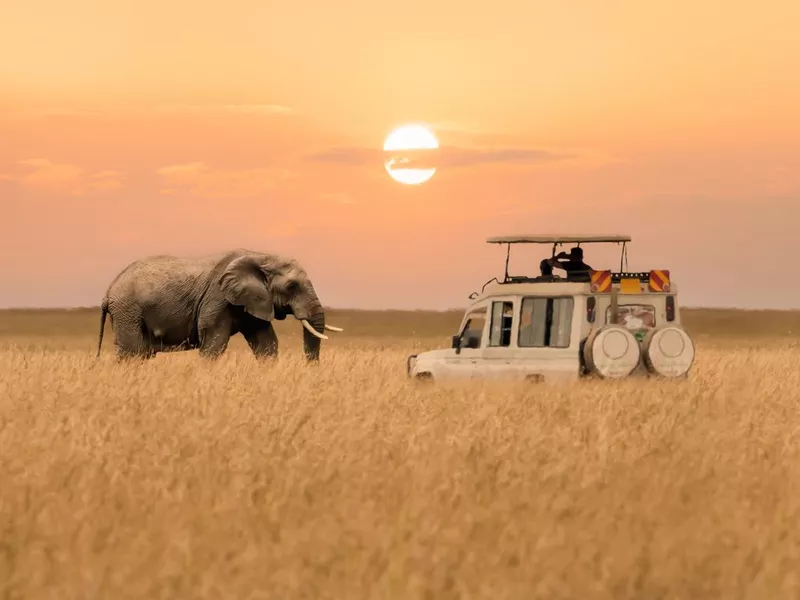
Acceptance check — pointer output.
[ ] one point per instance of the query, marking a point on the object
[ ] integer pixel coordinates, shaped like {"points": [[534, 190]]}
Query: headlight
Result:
{"points": [[409, 363]]}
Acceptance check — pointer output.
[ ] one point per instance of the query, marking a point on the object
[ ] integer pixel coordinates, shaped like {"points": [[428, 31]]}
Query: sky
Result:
{"points": [[137, 128]]}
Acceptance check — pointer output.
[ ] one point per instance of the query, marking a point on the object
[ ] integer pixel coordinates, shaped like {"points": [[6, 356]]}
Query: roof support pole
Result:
{"points": [[614, 305]]}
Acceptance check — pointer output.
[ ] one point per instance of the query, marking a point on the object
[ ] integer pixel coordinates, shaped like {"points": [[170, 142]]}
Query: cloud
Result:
{"points": [[448, 156], [462, 128], [265, 110], [50, 111], [259, 109], [198, 179], [353, 155], [36, 112], [66, 179], [467, 158]]}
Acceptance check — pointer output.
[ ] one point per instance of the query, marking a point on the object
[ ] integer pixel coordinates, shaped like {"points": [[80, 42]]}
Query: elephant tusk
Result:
{"points": [[313, 331], [331, 328]]}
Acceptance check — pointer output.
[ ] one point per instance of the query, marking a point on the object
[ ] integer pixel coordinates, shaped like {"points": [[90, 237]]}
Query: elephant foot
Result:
{"points": [[211, 354], [127, 357], [212, 348]]}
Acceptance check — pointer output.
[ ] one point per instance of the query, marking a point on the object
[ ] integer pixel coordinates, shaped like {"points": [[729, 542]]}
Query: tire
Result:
{"points": [[612, 352], [668, 351]]}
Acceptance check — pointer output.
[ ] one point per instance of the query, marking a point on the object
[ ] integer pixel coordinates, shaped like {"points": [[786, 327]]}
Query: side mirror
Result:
{"points": [[455, 343]]}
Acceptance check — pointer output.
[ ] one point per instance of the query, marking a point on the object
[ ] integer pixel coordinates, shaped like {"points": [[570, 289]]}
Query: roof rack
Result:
{"points": [[558, 240]]}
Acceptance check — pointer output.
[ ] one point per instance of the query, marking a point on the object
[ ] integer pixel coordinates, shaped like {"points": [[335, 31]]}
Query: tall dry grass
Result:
{"points": [[239, 479]]}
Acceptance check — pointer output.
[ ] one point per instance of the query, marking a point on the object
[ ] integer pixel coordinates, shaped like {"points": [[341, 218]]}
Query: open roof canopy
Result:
{"points": [[557, 239]]}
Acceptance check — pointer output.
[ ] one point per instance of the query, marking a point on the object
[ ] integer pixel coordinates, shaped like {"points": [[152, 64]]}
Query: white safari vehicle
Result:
{"points": [[613, 324]]}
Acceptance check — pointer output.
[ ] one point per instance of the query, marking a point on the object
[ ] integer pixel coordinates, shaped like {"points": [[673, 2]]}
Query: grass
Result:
{"points": [[239, 479]]}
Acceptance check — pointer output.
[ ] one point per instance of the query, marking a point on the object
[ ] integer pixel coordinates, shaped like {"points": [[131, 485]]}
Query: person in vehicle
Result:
{"points": [[546, 269], [506, 322], [573, 264]]}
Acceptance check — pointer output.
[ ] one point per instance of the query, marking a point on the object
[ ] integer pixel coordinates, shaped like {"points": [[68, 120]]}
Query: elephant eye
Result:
{"points": [[292, 287]]}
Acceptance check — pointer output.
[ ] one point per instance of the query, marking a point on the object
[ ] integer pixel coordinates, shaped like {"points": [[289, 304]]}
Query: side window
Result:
{"points": [[502, 317], [545, 323], [473, 329]]}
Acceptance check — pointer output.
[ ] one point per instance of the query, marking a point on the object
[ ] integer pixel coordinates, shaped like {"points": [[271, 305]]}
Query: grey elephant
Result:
{"points": [[166, 303]]}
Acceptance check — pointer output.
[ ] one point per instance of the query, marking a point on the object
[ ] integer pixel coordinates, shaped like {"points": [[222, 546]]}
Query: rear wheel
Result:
{"points": [[612, 352]]}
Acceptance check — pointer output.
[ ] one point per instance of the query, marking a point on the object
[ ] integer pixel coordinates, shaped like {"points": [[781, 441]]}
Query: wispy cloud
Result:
{"points": [[461, 128], [37, 112], [198, 179], [443, 157], [349, 155], [62, 178], [259, 109], [253, 109]]}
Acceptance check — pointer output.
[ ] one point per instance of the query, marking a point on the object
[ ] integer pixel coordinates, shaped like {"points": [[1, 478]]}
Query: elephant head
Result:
{"points": [[272, 287]]}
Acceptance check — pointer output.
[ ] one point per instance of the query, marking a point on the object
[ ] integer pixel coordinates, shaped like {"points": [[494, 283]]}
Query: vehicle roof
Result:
{"points": [[550, 288], [557, 239]]}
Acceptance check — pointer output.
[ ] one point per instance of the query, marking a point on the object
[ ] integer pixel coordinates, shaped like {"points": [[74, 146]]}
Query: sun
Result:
{"points": [[409, 137]]}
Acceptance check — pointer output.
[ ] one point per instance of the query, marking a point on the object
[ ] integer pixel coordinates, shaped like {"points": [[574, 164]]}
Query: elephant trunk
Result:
{"points": [[311, 343]]}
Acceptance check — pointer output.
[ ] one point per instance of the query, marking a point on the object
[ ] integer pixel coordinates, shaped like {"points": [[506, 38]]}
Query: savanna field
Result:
{"points": [[243, 479]]}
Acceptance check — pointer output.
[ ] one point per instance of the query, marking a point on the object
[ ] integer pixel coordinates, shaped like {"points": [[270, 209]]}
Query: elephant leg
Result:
{"points": [[133, 347], [125, 354], [262, 341], [214, 336], [130, 341]]}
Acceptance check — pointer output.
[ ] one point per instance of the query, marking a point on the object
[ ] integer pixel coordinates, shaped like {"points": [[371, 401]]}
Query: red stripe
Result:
{"points": [[658, 280]]}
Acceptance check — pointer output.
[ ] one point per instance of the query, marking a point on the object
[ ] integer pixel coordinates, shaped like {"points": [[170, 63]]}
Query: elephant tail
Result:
{"points": [[103, 313]]}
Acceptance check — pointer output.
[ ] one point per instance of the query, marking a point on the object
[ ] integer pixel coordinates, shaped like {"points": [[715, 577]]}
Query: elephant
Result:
{"points": [[166, 303]]}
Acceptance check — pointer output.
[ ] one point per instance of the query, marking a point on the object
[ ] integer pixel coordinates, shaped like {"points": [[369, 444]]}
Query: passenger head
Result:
{"points": [[546, 268], [576, 253]]}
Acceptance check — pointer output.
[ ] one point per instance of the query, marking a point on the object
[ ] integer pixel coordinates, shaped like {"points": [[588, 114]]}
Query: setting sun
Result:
{"points": [[409, 137]]}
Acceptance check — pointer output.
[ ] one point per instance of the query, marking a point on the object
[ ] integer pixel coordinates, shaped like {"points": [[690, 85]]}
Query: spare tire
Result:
{"points": [[668, 351], [612, 352]]}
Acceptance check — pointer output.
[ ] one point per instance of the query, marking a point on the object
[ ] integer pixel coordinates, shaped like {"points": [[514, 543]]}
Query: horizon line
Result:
{"points": [[431, 310]]}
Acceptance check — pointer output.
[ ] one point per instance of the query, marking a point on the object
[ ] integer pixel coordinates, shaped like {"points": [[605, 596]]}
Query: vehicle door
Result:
{"points": [[548, 337], [498, 360], [464, 357]]}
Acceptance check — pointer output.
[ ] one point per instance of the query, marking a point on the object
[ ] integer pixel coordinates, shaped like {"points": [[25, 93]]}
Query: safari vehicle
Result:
{"points": [[615, 325]]}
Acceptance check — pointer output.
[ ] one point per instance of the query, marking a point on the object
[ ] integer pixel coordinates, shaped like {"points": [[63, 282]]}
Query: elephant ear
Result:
{"points": [[244, 283]]}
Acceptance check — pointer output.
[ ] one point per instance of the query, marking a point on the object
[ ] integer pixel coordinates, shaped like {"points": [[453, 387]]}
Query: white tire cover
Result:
{"points": [[612, 352], [668, 351]]}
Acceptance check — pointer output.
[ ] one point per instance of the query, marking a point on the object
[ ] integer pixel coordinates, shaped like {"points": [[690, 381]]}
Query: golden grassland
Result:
{"points": [[242, 479]]}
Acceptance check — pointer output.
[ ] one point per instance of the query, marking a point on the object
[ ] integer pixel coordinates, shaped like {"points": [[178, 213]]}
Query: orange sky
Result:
{"points": [[132, 128]]}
